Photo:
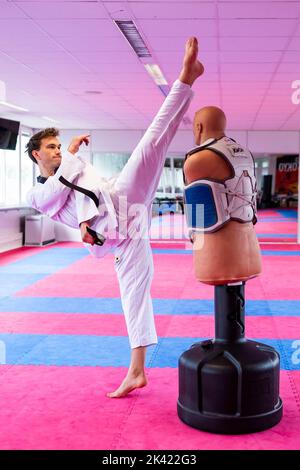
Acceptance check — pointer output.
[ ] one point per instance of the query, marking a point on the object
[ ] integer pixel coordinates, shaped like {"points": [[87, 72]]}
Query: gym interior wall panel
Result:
{"points": [[66, 136], [12, 227], [115, 140], [126, 140], [239, 136], [286, 142], [182, 142], [272, 170], [9, 221]]}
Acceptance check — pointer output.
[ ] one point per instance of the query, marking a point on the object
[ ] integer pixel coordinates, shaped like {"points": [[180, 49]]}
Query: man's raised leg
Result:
{"points": [[140, 177], [138, 182], [192, 68]]}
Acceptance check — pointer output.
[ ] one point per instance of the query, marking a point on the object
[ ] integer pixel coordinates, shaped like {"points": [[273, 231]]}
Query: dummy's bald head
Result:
{"points": [[209, 122]]}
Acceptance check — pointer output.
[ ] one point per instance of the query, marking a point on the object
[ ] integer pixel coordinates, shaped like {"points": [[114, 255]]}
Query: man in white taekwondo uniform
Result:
{"points": [[70, 191]]}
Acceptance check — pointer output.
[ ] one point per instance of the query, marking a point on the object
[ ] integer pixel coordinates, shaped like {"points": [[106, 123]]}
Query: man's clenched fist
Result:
{"points": [[86, 237], [77, 141]]}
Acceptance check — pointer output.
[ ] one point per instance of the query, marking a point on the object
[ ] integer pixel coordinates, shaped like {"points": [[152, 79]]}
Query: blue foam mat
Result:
{"points": [[45, 262], [114, 351], [174, 251], [284, 308], [277, 235], [11, 283], [287, 213]]}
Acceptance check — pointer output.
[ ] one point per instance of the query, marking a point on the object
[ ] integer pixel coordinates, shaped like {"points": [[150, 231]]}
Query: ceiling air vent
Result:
{"points": [[131, 33]]}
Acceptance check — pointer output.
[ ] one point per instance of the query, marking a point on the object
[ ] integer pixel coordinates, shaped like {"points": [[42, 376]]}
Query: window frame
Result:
{"points": [[28, 132]]}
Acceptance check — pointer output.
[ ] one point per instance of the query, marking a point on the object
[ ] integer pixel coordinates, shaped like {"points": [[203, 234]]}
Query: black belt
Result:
{"points": [[98, 238], [87, 192]]}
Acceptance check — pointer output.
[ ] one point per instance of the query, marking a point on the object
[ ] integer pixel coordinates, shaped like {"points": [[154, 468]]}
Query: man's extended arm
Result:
{"points": [[51, 196]]}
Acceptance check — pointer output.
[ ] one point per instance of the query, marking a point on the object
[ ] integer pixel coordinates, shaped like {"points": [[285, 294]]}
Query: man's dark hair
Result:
{"points": [[35, 141]]}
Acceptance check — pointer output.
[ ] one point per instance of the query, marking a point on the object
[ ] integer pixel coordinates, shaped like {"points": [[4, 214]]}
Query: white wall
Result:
{"points": [[125, 141], [273, 142], [12, 227]]}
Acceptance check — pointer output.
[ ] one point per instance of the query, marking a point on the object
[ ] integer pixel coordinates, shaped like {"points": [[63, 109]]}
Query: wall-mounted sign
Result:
{"points": [[287, 168]]}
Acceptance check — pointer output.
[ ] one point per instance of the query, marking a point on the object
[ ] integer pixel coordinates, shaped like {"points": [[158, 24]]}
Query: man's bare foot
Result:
{"points": [[192, 68], [130, 383]]}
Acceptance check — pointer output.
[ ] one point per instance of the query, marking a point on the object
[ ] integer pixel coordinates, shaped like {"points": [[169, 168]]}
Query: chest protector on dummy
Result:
{"points": [[221, 201]]}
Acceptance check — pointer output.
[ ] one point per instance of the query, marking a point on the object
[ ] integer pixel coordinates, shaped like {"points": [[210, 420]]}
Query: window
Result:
{"points": [[171, 180], [166, 178], [110, 164], [178, 175], [2, 178], [27, 169], [262, 168], [16, 174], [11, 175]]}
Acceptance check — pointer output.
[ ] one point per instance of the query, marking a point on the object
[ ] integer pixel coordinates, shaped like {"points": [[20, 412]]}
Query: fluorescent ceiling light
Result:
{"points": [[133, 36], [13, 106], [49, 119], [155, 73]]}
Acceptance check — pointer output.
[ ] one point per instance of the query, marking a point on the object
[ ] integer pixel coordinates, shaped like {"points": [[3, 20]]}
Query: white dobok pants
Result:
{"points": [[138, 182]]}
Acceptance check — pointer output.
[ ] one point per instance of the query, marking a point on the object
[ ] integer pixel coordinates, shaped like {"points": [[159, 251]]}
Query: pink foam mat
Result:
{"points": [[166, 325], [256, 327], [78, 244], [287, 240], [280, 277], [269, 213], [174, 227], [89, 277], [280, 246], [21, 253], [47, 407], [271, 227], [53, 410]]}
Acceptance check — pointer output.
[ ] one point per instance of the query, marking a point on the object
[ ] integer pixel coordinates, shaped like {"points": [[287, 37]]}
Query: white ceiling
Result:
{"points": [[53, 52]]}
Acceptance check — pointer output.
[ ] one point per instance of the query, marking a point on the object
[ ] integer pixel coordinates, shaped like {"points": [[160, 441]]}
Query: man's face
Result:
{"points": [[49, 154]]}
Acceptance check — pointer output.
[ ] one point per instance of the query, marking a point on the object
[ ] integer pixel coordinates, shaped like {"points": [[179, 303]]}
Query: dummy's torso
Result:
{"points": [[232, 253]]}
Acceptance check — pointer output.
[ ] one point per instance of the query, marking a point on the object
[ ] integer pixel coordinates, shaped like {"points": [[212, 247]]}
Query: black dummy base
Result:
{"points": [[229, 385]]}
